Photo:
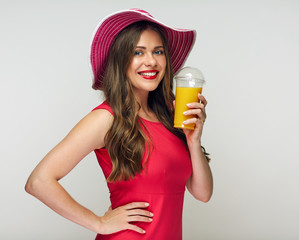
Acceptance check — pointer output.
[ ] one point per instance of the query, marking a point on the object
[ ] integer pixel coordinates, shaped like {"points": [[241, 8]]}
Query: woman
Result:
{"points": [[146, 161]]}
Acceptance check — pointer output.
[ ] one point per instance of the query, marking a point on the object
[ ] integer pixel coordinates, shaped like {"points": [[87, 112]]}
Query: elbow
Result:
{"points": [[33, 185], [203, 197], [29, 186]]}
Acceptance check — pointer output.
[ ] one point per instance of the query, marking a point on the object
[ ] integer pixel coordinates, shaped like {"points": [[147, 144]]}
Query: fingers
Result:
{"points": [[135, 212], [196, 121], [140, 212], [202, 99], [133, 205], [135, 228], [119, 219], [135, 209], [139, 219], [195, 106], [197, 109]]}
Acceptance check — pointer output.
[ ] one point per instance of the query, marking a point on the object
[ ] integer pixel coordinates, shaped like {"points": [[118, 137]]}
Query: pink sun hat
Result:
{"points": [[180, 41]]}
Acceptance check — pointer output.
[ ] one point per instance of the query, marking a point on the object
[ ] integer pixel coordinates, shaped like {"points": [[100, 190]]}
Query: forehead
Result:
{"points": [[150, 37]]}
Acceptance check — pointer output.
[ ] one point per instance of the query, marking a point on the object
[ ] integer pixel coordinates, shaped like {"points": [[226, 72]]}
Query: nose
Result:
{"points": [[150, 60]]}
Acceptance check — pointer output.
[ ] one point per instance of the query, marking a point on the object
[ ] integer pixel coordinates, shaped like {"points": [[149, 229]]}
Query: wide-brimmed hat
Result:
{"points": [[180, 41]]}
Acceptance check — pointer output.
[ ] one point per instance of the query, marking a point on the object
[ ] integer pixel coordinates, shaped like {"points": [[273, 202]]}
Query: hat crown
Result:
{"points": [[180, 41], [141, 11]]}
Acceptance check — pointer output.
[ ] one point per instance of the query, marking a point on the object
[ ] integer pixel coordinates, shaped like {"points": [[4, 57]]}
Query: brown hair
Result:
{"points": [[125, 140]]}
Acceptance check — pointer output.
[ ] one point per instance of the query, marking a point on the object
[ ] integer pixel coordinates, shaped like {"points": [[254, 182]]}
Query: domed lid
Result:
{"points": [[190, 73]]}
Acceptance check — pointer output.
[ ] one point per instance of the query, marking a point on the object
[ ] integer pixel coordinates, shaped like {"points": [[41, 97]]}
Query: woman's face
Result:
{"points": [[148, 64]]}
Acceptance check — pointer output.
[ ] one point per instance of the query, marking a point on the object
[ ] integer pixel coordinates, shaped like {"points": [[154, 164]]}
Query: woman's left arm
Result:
{"points": [[200, 183]]}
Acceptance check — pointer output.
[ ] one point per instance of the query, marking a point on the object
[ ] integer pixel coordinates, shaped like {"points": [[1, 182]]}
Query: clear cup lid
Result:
{"points": [[190, 73]]}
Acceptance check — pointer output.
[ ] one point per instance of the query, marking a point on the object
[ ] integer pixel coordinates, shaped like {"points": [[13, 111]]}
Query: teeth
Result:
{"points": [[149, 74]]}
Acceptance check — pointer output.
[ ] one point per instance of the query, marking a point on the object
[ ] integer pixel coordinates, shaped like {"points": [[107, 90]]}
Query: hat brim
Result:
{"points": [[180, 41]]}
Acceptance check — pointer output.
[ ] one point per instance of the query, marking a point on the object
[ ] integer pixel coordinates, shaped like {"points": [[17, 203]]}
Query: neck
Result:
{"points": [[144, 111], [142, 99]]}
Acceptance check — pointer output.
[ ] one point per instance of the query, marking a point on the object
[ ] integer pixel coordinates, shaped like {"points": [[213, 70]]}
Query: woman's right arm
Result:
{"points": [[43, 183]]}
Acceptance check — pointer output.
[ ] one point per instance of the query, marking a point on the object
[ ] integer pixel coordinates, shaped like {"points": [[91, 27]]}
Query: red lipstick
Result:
{"points": [[149, 74]]}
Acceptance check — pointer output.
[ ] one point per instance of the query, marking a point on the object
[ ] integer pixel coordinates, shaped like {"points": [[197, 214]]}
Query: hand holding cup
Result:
{"points": [[189, 83]]}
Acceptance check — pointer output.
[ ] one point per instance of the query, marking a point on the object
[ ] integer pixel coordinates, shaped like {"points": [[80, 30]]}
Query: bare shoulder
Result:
{"points": [[88, 134], [99, 116], [94, 126]]}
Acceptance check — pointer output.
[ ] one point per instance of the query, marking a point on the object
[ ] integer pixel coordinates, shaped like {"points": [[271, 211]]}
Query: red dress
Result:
{"points": [[162, 185]]}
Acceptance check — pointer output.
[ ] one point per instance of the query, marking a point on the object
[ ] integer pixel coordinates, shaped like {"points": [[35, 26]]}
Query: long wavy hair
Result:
{"points": [[126, 139]]}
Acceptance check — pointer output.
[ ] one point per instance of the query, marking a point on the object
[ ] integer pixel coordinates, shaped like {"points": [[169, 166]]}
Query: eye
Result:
{"points": [[159, 52], [138, 53]]}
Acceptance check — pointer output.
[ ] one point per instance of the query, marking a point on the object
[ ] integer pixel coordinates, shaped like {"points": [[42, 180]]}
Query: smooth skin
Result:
{"points": [[200, 184], [149, 55], [89, 134], [43, 183]]}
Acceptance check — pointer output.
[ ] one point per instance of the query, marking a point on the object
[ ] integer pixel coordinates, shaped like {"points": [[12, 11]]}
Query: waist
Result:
{"points": [[157, 201], [166, 207]]}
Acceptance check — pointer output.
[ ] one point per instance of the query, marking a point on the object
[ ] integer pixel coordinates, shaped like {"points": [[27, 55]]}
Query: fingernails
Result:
{"points": [[151, 214], [146, 204], [185, 113], [189, 104], [143, 231]]}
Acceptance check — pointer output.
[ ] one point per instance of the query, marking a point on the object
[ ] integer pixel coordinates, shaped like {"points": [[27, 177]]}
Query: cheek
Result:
{"points": [[135, 63], [131, 69]]}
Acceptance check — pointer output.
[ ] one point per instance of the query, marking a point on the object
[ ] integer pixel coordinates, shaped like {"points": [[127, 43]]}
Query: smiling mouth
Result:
{"points": [[149, 74]]}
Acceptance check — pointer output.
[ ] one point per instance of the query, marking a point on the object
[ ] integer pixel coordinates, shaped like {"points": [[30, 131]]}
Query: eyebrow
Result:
{"points": [[145, 47]]}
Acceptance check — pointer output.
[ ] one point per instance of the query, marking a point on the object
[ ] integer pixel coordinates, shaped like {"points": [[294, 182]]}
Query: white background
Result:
{"points": [[248, 52]]}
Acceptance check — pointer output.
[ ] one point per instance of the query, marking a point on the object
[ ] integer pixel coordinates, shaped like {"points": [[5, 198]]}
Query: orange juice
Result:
{"points": [[183, 96]]}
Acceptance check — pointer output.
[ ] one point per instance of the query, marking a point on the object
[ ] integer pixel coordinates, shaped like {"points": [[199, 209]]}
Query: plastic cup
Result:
{"points": [[189, 82]]}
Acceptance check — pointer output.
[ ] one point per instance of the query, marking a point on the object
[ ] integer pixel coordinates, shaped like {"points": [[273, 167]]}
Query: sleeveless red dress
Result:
{"points": [[162, 185]]}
